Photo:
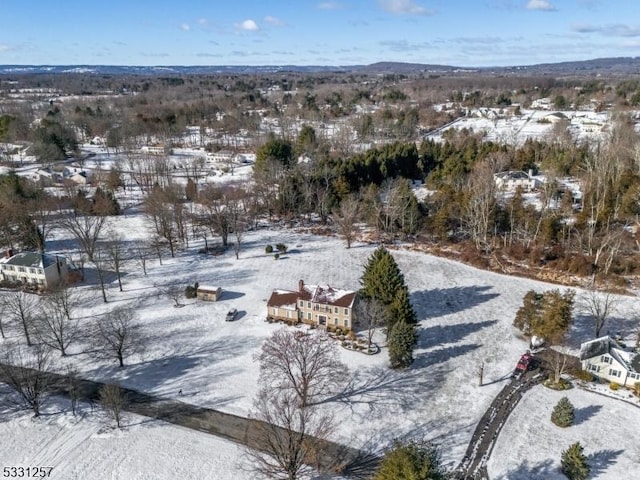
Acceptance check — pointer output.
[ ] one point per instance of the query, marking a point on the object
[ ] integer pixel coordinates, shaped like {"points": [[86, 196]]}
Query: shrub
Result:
{"points": [[276, 256], [563, 413], [413, 459], [281, 247], [191, 291], [636, 388], [614, 386], [583, 375], [268, 249]]}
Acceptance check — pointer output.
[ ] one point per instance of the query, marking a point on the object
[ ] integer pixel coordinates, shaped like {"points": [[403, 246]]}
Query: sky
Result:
{"points": [[463, 33]]}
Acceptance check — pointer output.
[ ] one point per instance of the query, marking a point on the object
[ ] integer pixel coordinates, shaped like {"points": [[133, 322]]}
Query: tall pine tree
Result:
{"points": [[574, 463], [383, 281]]}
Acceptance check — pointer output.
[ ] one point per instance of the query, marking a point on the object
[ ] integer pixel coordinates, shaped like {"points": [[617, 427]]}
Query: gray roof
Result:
{"points": [[596, 347], [32, 259]]}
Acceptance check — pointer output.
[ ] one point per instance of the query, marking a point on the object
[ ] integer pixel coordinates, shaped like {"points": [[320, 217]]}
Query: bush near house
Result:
{"points": [[191, 291]]}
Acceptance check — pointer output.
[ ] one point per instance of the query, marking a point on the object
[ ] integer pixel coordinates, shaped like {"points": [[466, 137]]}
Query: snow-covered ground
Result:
{"points": [[535, 124], [529, 446], [88, 447], [465, 317]]}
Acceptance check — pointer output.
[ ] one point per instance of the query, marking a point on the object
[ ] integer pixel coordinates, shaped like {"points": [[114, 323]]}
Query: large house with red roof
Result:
{"points": [[321, 305]]}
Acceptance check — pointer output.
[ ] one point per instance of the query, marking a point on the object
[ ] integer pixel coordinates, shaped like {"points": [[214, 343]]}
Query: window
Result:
{"points": [[614, 373], [335, 321], [273, 310], [594, 368], [22, 269], [288, 313], [335, 309], [346, 322], [301, 304], [33, 270], [308, 316], [346, 311], [605, 359], [308, 304]]}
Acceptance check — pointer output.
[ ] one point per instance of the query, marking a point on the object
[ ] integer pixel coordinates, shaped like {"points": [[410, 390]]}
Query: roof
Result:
{"points": [[607, 345], [595, 348], [329, 295], [283, 299], [208, 288], [32, 259]]}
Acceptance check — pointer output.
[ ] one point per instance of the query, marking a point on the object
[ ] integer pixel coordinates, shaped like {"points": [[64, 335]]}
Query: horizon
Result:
{"points": [[465, 33]]}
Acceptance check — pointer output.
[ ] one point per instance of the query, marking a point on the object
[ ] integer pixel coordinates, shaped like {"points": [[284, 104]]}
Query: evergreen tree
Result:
{"points": [[400, 309], [414, 460], [383, 281], [402, 340], [563, 412], [574, 463]]}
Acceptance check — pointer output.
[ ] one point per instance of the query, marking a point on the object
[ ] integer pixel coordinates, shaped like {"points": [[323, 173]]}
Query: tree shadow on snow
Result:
{"points": [[444, 301], [545, 470], [600, 461], [582, 329], [581, 415], [441, 334]]}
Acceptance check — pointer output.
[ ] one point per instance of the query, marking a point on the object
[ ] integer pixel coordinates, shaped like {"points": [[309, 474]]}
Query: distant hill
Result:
{"points": [[609, 66]]}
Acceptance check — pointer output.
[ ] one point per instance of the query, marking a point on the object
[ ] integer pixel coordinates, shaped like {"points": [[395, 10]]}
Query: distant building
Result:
{"points": [[39, 270], [320, 305], [511, 180]]}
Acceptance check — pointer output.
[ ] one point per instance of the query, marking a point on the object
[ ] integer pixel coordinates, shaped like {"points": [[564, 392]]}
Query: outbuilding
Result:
{"points": [[208, 293]]}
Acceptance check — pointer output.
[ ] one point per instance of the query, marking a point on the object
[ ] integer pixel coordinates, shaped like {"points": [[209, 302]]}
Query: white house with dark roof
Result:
{"points": [[40, 270], [321, 305], [606, 359]]}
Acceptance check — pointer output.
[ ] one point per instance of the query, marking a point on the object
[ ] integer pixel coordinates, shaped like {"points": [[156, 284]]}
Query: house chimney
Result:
{"points": [[300, 285], [531, 173]]}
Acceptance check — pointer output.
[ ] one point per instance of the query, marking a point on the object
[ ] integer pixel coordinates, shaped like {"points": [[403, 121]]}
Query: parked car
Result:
{"points": [[231, 315]]}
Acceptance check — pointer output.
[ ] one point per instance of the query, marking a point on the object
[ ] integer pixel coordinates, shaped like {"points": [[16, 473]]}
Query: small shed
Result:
{"points": [[208, 293]]}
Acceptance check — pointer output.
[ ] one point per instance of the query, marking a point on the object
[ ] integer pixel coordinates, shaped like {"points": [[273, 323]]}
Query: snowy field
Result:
{"points": [[529, 446], [465, 317]]}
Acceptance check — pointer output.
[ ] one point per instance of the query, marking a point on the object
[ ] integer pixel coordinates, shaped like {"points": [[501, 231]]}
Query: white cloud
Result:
{"points": [[185, 27], [5, 48], [330, 6], [275, 21], [404, 7], [544, 5], [249, 25], [203, 21]]}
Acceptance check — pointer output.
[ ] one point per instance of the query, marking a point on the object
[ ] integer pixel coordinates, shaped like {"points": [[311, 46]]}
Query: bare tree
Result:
{"points": [[142, 255], [558, 362], [345, 218], [25, 371], [481, 205], [54, 325], [73, 388], [289, 438], [370, 314], [3, 318], [114, 401], [599, 306], [118, 333], [174, 293], [304, 363], [21, 307], [116, 254]]}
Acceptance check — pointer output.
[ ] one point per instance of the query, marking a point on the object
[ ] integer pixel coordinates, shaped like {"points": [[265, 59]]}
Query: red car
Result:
{"points": [[525, 363]]}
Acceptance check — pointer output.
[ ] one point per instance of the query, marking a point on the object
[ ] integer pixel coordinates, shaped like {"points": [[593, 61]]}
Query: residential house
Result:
{"points": [[609, 361], [40, 270], [511, 180], [321, 305]]}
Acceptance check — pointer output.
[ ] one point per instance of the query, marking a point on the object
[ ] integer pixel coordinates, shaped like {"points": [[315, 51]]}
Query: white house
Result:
{"points": [[511, 180], [35, 269], [607, 360]]}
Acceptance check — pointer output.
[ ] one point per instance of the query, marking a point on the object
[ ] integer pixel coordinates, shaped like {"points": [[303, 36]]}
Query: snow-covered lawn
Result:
{"points": [[530, 446], [465, 317], [88, 447]]}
